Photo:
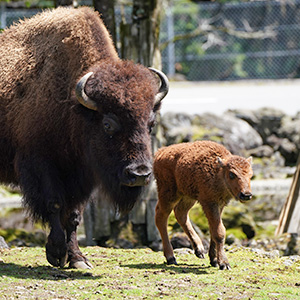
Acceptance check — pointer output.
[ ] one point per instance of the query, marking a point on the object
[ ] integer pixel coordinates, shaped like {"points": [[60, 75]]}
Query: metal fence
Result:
{"points": [[246, 40], [211, 41]]}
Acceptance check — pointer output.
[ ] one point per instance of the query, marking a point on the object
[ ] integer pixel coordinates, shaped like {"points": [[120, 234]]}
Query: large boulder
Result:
{"points": [[177, 127], [289, 133], [235, 134], [266, 121]]}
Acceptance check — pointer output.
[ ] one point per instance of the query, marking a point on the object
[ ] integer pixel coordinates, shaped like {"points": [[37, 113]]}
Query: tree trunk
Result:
{"points": [[139, 40], [106, 8], [63, 3]]}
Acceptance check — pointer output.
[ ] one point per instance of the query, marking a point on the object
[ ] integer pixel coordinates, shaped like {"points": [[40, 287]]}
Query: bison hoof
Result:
{"points": [[171, 261], [57, 262], [81, 265], [199, 254]]}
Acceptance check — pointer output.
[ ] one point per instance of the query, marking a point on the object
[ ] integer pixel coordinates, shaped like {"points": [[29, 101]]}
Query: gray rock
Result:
{"points": [[177, 127], [261, 151], [266, 121], [3, 244], [236, 134], [289, 151]]}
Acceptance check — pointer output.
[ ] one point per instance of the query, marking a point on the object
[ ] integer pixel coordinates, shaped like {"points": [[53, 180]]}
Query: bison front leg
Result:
{"points": [[56, 247], [44, 196], [162, 212], [76, 258], [217, 231]]}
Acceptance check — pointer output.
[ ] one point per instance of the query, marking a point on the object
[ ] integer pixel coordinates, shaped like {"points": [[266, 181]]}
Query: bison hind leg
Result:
{"points": [[182, 215], [171, 261]]}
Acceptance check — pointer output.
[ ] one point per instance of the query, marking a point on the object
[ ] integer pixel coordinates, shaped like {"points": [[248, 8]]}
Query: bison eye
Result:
{"points": [[232, 175], [151, 125], [110, 125]]}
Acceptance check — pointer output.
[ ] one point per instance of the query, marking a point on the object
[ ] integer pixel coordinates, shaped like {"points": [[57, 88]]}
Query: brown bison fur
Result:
{"points": [[58, 144], [203, 172]]}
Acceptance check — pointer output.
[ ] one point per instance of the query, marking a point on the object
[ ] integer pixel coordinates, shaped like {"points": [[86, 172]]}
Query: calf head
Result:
{"points": [[237, 173], [119, 101]]}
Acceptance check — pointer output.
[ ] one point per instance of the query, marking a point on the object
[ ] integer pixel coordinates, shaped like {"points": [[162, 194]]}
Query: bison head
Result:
{"points": [[237, 175], [119, 102]]}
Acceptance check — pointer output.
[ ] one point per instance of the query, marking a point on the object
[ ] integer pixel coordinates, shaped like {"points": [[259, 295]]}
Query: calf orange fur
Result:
{"points": [[202, 171]]}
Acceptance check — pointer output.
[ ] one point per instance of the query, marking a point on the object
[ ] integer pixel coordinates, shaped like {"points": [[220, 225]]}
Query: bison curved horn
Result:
{"points": [[82, 97], [164, 87]]}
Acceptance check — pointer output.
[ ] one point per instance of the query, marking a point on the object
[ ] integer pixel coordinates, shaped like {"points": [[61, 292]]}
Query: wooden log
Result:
{"points": [[289, 220]]}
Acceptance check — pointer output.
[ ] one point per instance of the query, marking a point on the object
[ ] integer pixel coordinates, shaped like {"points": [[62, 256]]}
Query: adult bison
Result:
{"points": [[73, 116]]}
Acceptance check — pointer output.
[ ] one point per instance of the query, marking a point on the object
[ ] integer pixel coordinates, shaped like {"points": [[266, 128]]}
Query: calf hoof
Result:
{"points": [[214, 263], [199, 254], [225, 266], [171, 261]]}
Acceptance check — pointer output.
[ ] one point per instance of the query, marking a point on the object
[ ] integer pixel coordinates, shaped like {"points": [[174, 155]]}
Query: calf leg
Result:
{"points": [[217, 230], [181, 212], [76, 258], [162, 212]]}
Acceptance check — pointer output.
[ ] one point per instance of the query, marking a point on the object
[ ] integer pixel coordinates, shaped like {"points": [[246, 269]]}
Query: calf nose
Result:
{"points": [[136, 175], [245, 196]]}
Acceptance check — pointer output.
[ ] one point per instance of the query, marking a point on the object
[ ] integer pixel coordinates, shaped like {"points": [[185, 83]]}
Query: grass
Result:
{"points": [[142, 274]]}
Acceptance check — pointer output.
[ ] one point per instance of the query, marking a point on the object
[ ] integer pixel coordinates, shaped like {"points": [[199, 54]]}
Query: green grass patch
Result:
{"points": [[142, 274]]}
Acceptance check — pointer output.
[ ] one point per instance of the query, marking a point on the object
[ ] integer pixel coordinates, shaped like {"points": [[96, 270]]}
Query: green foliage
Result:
{"points": [[13, 236]]}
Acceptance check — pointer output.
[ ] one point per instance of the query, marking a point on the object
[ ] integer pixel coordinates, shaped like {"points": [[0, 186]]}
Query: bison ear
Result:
{"points": [[220, 161], [82, 97], [250, 160], [164, 87]]}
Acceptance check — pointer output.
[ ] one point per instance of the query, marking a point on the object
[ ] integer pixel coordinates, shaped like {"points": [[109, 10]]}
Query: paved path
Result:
{"points": [[217, 97]]}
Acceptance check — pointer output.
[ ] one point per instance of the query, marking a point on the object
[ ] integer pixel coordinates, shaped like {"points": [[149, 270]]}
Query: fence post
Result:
{"points": [[171, 46]]}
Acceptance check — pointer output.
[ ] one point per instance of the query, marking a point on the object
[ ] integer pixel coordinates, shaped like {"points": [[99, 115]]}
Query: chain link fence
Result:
{"points": [[211, 41], [245, 40]]}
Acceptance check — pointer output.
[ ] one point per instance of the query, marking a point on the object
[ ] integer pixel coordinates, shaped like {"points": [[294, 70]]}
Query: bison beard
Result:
{"points": [[73, 116]]}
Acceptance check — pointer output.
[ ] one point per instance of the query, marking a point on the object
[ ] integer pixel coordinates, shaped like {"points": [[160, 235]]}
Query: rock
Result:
{"points": [[177, 127], [290, 129], [289, 151], [237, 216], [261, 151], [269, 254], [3, 244], [180, 240], [266, 121], [231, 239], [235, 134]]}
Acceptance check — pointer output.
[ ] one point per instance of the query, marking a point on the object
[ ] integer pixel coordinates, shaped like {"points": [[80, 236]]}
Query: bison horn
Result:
{"points": [[164, 87], [82, 96]]}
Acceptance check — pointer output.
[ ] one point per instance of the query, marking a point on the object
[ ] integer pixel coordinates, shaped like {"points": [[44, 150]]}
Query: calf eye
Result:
{"points": [[232, 175]]}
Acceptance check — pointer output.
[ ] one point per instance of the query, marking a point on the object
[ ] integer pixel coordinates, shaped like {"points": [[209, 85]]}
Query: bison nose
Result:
{"points": [[136, 175], [245, 196]]}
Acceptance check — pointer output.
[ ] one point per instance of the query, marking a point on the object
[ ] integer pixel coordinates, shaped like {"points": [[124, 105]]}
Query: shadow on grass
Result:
{"points": [[43, 273], [180, 268]]}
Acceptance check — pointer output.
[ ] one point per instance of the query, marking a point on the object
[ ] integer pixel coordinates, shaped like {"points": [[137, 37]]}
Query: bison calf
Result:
{"points": [[202, 171]]}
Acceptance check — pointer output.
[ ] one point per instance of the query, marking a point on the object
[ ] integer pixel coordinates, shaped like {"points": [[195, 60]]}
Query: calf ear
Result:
{"points": [[250, 160], [220, 161]]}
